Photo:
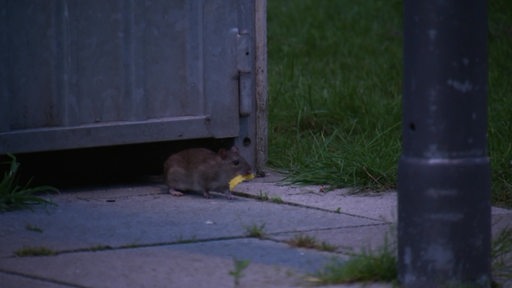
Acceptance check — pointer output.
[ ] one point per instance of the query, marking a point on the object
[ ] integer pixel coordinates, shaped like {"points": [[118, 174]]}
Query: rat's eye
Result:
{"points": [[236, 162]]}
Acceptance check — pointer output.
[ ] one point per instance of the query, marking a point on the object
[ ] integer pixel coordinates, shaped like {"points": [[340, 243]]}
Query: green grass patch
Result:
{"points": [[381, 265], [263, 196], [500, 100], [100, 248], [310, 242], [335, 81], [34, 251], [277, 200], [367, 266], [237, 272], [131, 246], [334, 91], [501, 254], [14, 195], [255, 231]]}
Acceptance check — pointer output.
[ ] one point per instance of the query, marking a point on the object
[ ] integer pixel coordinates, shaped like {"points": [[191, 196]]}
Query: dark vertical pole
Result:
{"points": [[444, 171]]}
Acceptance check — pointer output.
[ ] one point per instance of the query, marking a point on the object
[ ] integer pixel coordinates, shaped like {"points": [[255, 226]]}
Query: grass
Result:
{"points": [[500, 102], [366, 266], [34, 251], [263, 196], [237, 272], [14, 195], [332, 109], [277, 200], [501, 254], [381, 265], [310, 242], [335, 81], [255, 231], [44, 251], [100, 247]]}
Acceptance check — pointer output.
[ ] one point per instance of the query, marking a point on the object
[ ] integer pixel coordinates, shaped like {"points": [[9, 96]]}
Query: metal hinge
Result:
{"points": [[244, 64]]}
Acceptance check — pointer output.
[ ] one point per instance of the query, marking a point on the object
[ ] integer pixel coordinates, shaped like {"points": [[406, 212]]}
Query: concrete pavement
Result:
{"points": [[140, 236]]}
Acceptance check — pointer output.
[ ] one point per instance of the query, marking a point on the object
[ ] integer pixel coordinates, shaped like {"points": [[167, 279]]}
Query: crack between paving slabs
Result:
{"points": [[347, 252], [100, 248], [39, 278], [283, 202]]}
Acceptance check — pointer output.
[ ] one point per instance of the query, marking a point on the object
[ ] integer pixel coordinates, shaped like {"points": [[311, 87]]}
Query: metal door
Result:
{"points": [[92, 73]]}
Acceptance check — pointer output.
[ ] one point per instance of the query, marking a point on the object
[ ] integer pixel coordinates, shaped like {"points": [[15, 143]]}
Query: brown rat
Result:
{"points": [[202, 170]]}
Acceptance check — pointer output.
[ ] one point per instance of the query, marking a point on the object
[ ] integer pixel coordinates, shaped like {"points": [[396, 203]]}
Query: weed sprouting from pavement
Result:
{"points": [[277, 200], [307, 241], [263, 196], [14, 195], [367, 266], [100, 248], [381, 264], [237, 272], [35, 251], [255, 231]]}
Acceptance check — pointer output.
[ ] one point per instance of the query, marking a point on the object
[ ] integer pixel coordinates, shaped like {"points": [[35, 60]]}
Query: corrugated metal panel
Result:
{"points": [[92, 72]]}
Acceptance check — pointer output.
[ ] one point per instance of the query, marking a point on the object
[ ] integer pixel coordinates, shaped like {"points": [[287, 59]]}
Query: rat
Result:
{"points": [[202, 170]]}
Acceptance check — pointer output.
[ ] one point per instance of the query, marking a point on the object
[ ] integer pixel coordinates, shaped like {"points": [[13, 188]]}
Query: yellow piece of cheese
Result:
{"points": [[239, 179]]}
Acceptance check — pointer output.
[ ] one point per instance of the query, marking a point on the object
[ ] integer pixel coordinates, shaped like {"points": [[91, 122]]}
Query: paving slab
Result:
{"points": [[206, 264], [349, 240], [14, 280], [379, 206], [156, 240], [143, 216], [135, 237]]}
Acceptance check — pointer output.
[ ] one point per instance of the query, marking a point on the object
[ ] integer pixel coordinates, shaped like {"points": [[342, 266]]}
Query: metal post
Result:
{"points": [[444, 170]]}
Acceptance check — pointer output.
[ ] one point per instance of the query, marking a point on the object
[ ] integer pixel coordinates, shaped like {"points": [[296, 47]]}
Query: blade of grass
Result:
{"points": [[15, 196]]}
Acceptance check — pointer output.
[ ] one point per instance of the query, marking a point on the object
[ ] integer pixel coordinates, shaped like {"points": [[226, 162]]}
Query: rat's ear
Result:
{"points": [[234, 149]]}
